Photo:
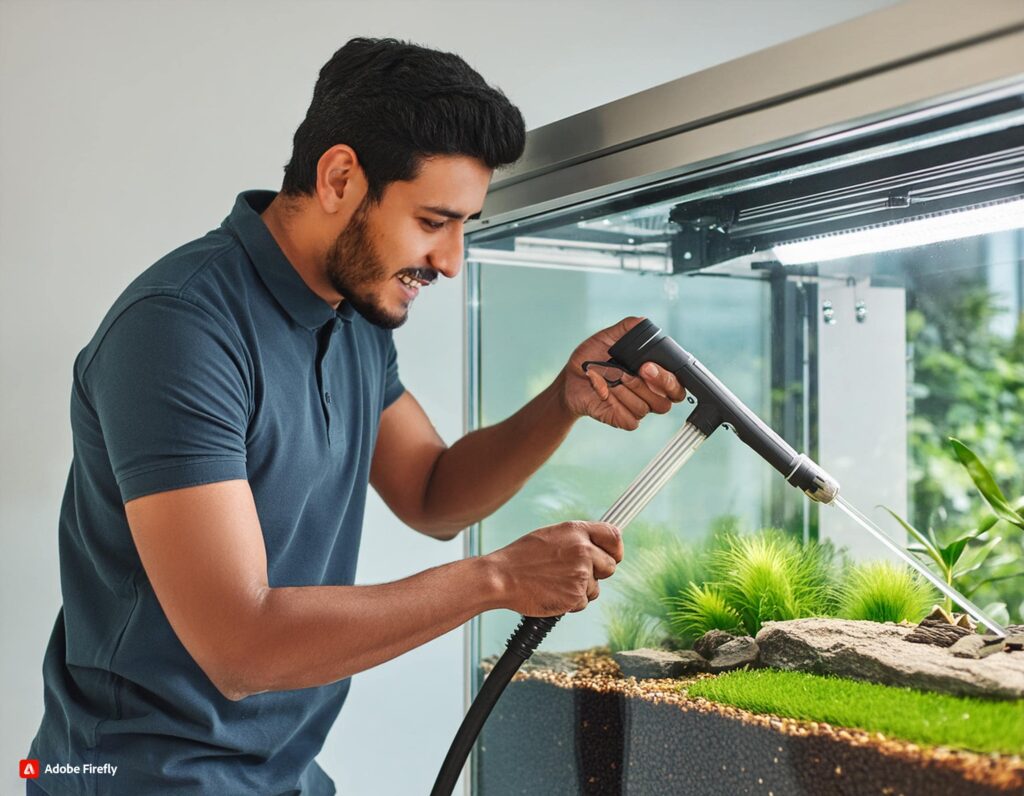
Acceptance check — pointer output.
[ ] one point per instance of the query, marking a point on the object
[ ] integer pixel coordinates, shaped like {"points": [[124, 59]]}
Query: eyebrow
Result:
{"points": [[447, 212]]}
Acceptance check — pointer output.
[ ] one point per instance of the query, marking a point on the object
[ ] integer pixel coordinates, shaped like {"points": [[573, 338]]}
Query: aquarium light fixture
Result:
{"points": [[892, 235], [578, 255]]}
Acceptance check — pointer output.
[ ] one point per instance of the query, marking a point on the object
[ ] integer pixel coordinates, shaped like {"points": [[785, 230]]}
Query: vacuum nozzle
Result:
{"points": [[824, 488], [717, 406]]}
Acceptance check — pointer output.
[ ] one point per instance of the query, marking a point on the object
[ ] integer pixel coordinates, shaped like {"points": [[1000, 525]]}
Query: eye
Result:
{"points": [[433, 225]]}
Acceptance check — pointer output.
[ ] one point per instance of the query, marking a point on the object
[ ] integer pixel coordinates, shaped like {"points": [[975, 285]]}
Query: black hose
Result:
{"points": [[521, 645]]}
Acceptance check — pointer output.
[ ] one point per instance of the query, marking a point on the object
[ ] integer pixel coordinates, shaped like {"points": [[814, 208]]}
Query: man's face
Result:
{"points": [[388, 252]]}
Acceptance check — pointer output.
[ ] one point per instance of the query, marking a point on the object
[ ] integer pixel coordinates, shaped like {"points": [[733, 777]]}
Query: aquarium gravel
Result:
{"points": [[592, 731]]}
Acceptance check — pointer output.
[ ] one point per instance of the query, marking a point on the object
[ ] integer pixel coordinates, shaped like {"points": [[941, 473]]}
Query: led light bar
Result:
{"points": [[920, 231]]}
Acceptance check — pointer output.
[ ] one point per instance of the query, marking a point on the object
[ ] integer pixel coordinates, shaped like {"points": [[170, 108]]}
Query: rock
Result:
{"points": [[710, 641], [647, 664], [975, 646], [551, 661], [1015, 641], [875, 652], [735, 654], [548, 661]]}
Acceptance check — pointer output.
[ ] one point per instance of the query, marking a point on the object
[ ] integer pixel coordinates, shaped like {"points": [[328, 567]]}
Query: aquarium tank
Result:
{"points": [[847, 256]]}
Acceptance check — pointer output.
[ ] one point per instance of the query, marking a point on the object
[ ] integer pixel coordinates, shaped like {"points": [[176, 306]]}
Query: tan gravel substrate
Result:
{"points": [[598, 671]]}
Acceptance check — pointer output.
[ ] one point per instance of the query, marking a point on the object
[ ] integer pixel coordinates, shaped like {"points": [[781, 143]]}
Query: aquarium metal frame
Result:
{"points": [[906, 63], [914, 60], [471, 420]]}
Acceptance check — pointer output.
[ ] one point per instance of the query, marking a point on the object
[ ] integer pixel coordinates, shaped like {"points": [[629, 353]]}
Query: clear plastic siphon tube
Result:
{"points": [[972, 610]]}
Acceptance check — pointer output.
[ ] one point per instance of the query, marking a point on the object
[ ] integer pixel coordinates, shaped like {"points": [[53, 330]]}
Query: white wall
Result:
{"points": [[127, 128]]}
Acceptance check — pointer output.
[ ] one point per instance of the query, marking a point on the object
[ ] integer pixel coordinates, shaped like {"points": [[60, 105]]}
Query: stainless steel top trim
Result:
{"points": [[880, 41], [921, 90], [904, 58]]}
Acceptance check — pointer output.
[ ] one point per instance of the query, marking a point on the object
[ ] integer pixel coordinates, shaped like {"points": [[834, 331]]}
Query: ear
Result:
{"points": [[340, 180]]}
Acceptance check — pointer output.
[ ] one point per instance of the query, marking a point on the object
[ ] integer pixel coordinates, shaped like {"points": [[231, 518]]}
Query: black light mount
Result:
{"points": [[703, 236]]}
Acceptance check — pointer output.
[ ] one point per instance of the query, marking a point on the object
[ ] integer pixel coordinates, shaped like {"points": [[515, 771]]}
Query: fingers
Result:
{"points": [[599, 384], [662, 382], [608, 538], [633, 403], [603, 564], [654, 401], [593, 591]]}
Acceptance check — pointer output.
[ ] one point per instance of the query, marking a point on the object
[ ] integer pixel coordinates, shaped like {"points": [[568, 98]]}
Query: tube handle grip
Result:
{"points": [[645, 342]]}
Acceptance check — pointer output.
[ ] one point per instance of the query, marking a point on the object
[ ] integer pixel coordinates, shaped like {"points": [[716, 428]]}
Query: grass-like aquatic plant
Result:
{"points": [[758, 578], [700, 609], [658, 566], [671, 590], [884, 592], [770, 576], [629, 629]]}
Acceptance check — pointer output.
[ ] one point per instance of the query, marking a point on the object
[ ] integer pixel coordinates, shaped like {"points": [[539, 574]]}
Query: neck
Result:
{"points": [[291, 223]]}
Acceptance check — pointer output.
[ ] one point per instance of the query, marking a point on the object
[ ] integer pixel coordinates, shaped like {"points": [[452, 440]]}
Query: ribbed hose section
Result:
{"points": [[521, 645], [532, 630]]}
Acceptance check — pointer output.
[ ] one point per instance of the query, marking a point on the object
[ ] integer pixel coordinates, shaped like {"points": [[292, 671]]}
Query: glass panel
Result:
{"points": [[530, 321], [868, 352]]}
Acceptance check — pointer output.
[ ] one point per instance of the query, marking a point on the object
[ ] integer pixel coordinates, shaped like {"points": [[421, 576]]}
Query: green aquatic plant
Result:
{"points": [[1002, 509], [972, 559], [1004, 566], [984, 725], [659, 574], [755, 578], [699, 609], [770, 576], [657, 566], [883, 592], [629, 629]]}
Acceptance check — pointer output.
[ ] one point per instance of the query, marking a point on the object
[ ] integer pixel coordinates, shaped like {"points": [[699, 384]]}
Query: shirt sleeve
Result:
{"points": [[393, 387], [171, 388]]}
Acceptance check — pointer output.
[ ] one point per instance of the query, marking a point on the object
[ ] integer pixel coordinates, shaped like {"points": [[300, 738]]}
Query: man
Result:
{"points": [[228, 416]]}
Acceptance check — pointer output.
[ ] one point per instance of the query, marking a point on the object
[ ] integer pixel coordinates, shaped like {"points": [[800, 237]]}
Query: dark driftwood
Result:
{"points": [[937, 632]]}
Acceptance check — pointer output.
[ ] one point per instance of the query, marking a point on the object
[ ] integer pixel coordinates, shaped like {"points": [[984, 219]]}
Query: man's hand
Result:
{"points": [[624, 405], [555, 570]]}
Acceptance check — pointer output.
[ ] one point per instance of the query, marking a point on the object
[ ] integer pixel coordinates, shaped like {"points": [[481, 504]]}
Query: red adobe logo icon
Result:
{"points": [[28, 769]]}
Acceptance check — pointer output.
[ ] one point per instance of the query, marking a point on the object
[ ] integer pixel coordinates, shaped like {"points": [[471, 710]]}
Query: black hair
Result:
{"points": [[396, 103]]}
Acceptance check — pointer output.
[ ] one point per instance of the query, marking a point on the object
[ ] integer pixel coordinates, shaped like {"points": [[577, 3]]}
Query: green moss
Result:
{"points": [[981, 725]]}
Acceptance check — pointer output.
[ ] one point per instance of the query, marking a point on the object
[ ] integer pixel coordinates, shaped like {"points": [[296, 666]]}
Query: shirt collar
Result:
{"points": [[304, 306]]}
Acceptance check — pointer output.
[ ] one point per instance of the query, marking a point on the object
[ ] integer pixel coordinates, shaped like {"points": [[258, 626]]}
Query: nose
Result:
{"points": [[446, 258]]}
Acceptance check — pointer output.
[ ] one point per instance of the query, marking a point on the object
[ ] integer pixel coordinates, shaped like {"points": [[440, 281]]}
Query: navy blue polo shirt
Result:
{"points": [[217, 363]]}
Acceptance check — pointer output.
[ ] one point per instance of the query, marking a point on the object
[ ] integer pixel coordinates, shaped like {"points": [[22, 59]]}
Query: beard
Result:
{"points": [[355, 270]]}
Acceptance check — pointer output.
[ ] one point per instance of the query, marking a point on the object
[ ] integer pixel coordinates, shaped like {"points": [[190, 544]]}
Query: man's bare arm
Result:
{"points": [[440, 490], [202, 549]]}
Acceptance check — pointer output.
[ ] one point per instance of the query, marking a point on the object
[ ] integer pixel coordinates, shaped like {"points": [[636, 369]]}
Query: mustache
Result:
{"points": [[428, 275]]}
